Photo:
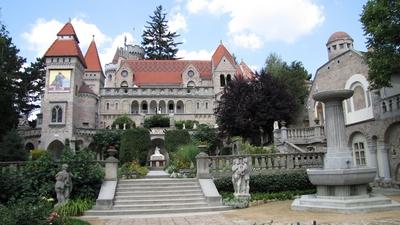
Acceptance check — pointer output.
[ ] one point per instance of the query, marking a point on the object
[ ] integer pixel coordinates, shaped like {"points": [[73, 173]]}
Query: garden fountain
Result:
{"points": [[341, 186]]}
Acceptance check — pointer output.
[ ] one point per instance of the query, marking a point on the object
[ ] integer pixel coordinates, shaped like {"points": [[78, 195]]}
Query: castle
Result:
{"points": [[80, 98]]}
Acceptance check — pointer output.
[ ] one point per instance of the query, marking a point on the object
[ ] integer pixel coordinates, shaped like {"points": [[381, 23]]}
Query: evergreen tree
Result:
{"points": [[381, 24], [12, 148], [158, 42]]}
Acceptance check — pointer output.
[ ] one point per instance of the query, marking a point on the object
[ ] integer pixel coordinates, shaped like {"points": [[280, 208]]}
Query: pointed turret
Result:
{"points": [[92, 58], [66, 44], [220, 52]]}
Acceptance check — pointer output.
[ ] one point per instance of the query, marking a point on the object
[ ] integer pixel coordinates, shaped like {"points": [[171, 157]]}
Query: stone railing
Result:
{"points": [[33, 132], [86, 131], [390, 106], [302, 135], [157, 91], [261, 163]]}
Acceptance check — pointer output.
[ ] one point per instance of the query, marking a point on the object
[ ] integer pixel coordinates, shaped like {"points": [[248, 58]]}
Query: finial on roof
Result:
{"points": [[220, 41], [125, 40], [69, 19], [93, 37]]}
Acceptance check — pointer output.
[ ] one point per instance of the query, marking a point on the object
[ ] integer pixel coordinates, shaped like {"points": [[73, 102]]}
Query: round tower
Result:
{"points": [[338, 43]]}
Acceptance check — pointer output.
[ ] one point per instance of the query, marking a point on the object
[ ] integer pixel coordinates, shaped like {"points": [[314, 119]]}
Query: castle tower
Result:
{"points": [[94, 76], [65, 67], [223, 66], [338, 43]]}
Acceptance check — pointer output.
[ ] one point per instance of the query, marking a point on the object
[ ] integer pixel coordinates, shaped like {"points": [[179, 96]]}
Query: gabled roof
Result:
{"points": [[220, 52], [92, 58], [68, 30], [165, 72], [66, 47], [244, 70]]}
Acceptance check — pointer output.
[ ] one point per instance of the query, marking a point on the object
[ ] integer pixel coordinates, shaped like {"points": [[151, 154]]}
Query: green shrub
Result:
{"points": [[156, 121], [185, 154], [104, 138], [75, 207], [12, 148], [127, 169], [226, 151], [37, 153], [290, 181], [25, 213], [206, 135], [175, 138], [247, 148], [134, 145], [121, 120]]}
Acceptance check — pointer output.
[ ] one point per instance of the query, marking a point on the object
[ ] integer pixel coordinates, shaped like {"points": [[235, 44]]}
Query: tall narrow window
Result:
{"points": [[222, 80], [56, 114], [206, 105], [359, 153], [228, 78], [108, 106]]}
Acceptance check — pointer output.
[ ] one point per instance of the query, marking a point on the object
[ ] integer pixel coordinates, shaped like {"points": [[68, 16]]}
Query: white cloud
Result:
{"points": [[177, 22], [43, 33], [251, 41], [262, 20], [194, 55], [107, 53]]}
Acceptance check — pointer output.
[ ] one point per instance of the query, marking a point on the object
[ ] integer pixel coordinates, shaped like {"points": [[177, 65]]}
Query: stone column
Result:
{"points": [[383, 162], [372, 160], [338, 154], [111, 166], [203, 170], [171, 121], [284, 134]]}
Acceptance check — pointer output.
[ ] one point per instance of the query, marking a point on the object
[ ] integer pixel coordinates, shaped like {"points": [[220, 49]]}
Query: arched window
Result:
{"points": [[359, 98], [191, 84], [108, 106], [124, 84], [56, 114], [222, 80], [228, 78]]}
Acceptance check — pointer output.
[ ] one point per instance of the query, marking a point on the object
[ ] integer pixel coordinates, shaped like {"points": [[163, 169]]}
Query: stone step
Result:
{"points": [[155, 188], [125, 201], [155, 197], [158, 180], [158, 192], [148, 184], [114, 212], [160, 206]]}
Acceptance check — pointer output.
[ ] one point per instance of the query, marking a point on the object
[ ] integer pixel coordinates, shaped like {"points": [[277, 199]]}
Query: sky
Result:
{"points": [[296, 30]]}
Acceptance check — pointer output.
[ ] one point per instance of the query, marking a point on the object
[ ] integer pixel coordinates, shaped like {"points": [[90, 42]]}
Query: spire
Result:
{"points": [[219, 53], [92, 58], [68, 30]]}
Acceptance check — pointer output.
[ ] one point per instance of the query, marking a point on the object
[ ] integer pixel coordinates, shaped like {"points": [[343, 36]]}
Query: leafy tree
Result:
{"points": [[12, 148], [121, 120], [248, 108], [134, 145], [175, 138], [19, 88], [208, 135], [158, 42], [293, 74], [105, 138], [381, 25]]}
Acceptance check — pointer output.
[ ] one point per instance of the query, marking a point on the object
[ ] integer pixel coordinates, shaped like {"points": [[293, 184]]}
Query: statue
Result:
{"points": [[241, 178], [276, 125], [63, 185]]}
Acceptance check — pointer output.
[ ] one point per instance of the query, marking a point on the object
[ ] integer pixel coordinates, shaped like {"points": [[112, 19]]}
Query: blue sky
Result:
{"points": [[251, 29]]}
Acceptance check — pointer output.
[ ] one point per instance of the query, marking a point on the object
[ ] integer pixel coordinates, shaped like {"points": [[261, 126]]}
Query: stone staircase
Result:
{"points": [[157, 196]]}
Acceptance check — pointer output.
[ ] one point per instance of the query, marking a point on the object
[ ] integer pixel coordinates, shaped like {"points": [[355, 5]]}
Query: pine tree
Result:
{"points": [[158, 42]]}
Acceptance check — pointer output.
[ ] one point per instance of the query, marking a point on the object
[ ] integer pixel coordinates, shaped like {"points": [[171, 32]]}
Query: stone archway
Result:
{"points": [[56, 148], [161, 144], [392, 143]]}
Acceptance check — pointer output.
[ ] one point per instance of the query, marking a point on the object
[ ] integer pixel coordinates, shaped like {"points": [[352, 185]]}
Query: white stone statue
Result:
{"points": [[157, 155], [276, 125], [183, 126], [241, 178], [63, 186], [194, 126]]}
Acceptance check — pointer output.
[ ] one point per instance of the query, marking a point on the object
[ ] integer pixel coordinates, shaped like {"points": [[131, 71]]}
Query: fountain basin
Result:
{"points": [[335, 95], [351, 176]]}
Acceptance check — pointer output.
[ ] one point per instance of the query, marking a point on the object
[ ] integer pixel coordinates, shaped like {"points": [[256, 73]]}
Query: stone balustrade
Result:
{"points": [[265, 163], [157, 91], [33, 132], [86, 131]]}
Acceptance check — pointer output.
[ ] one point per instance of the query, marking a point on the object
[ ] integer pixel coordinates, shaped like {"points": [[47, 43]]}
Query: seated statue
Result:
{"points": [[157, 155]]}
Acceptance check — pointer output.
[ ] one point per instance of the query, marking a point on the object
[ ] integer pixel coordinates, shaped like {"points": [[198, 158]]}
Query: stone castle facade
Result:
{"points": [[80, 97]]}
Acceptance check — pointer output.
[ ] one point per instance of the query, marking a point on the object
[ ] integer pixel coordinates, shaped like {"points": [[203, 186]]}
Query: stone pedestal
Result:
{"points": [[203, 170], [341, 187]]}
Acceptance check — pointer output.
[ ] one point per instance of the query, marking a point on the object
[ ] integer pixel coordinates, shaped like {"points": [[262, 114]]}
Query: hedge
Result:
{"points": [[175, 138], [156, 121], [276, 182], [121, 120], [134, 145]]}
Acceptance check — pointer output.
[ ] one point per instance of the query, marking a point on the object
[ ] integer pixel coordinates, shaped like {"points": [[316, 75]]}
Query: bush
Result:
{"points": [[156, 121], [135, 144], [75, 207], [247, 148], [175, 138], [206, 135], [121, 120], [25, 213], [105, 138], [276, 182], [127, 169], [37, 153], [186, 154], [12, 148]]}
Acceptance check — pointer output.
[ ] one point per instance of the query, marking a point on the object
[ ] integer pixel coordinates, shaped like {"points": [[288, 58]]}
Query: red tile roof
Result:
{"points": [[246, 72], [92, 58], [167, 72], [85, 89], [219, 53], [68, 30], [67, 47]]}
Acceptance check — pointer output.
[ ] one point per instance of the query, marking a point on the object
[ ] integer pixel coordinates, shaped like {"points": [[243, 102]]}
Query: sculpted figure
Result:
{"points": [[63, 186]]}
